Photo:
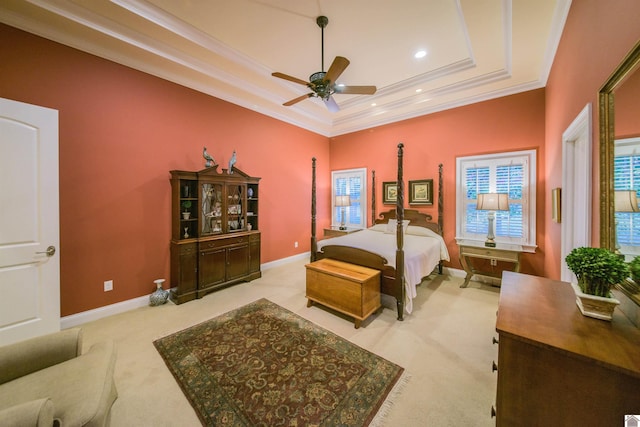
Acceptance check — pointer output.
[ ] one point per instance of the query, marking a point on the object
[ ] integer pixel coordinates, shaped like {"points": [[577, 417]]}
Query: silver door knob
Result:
{"points": [[51, 250]]}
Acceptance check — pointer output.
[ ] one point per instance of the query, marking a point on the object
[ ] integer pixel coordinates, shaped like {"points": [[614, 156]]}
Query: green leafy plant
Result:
{"points": [[186, 205], [634, 268], [597, 269]]}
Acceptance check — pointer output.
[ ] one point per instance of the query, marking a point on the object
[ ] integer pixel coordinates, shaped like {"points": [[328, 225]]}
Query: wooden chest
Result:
{"points": [[350, 289]]}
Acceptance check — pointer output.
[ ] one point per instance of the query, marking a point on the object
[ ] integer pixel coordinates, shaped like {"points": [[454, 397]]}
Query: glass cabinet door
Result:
{"points": [[235, 207], [211, 212]]}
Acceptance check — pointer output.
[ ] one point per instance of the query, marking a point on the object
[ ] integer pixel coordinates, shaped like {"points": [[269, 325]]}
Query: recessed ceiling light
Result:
{"points": [[373, 104], [418, 90], [420, 54]]}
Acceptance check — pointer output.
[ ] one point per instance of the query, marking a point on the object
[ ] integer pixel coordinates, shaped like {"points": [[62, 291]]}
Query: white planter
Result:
{"points": [[593, 306], [186, 215]]}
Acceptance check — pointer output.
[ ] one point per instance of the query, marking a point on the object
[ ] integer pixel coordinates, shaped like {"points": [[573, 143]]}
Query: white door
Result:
{"points": [[29, 221], [576, 188]]}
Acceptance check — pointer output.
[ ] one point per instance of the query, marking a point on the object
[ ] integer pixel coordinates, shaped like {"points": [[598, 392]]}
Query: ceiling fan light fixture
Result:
{"points": [[323, 83]]}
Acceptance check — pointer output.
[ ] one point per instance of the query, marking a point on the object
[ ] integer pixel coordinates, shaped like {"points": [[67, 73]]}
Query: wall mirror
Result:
{"points": [[620, 133]]}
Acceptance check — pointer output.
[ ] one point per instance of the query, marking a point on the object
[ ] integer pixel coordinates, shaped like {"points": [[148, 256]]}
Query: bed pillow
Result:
{"points": [[421, 231], [379, 227], [393, 224]]}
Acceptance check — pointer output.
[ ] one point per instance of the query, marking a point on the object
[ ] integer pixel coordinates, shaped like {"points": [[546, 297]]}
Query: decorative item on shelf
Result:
{"points": [[597, 270], [625, 202], [342, 202], [210, 161], [232, 161], [249, 226], [186, 205], [250, 192], [186, 233], [492, 202], [159, 296], [185, 191]]}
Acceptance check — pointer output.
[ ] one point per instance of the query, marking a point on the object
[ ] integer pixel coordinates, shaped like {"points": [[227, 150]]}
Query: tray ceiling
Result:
{"points": [[476, 49]]}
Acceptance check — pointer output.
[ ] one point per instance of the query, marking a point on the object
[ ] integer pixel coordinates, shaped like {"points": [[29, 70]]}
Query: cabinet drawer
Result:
{"points": [[219, 243], [187, 249], [490, 253]]}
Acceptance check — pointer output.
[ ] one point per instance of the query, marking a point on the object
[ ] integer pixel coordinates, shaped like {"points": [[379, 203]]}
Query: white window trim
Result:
{"points": [[529, 244], [363, 192]]}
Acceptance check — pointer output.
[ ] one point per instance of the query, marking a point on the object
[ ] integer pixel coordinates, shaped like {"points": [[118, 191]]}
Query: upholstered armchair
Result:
{"points": [[46, 381]]}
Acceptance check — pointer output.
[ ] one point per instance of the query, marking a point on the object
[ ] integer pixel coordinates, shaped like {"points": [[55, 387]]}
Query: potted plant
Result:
{"points": [[597, 270], [186, 205], [634, 268]]}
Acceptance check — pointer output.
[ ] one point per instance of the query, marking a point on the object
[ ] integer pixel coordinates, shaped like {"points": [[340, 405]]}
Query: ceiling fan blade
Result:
{"points": [[337, 67], [357, 90], [331, 104], [298, 99], [290, 78]]}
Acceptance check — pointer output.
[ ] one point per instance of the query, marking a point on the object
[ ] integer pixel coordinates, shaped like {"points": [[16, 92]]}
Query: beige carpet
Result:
{"points": [[445, 346]]}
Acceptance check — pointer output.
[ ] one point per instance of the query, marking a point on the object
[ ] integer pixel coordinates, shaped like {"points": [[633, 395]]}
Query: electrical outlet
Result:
{"points": [[494, 262], [295, 244], [108, 285]]}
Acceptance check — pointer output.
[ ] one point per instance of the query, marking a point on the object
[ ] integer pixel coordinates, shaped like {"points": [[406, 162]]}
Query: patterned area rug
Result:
{"points": [[262, 365]]}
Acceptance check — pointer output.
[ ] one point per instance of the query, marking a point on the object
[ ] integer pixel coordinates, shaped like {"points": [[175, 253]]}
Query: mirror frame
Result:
{"points": [[607, 142]]}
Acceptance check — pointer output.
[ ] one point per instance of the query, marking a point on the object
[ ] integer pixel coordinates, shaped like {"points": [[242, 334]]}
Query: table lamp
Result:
{"points": [[342, 202], [624, 201], [492, 202]]}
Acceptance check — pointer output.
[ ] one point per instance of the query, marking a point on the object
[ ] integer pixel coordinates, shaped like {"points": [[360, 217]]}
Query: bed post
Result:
{"points": [[373, 197], [400, 236], [440, 209], [314, 242]]}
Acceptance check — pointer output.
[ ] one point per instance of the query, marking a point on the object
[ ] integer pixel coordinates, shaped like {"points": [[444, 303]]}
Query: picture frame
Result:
{"points": [[389, 193], [421, 192], [556, 205]]}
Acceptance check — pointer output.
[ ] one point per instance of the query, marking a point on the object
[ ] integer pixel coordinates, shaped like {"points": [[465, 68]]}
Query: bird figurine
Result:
{"points": [[210, 160], [232, 161]]}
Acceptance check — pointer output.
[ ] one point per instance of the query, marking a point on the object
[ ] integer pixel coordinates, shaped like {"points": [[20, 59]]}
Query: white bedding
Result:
{"points": [[423, 250]]}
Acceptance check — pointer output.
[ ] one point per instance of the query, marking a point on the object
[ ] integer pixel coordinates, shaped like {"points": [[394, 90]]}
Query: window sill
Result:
{"points": [[528, 248]]}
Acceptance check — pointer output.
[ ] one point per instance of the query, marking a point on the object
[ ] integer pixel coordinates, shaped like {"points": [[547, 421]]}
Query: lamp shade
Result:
{"points": [[343, 201], [626, 201], [493, 202]]}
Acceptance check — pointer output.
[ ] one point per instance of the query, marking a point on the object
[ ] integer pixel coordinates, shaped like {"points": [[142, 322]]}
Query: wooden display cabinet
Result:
{"points": [[215, 236]]}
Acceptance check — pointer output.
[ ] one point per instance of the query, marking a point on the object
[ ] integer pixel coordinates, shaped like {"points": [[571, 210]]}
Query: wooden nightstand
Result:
{"points": [[335, 231], [502, 252]]}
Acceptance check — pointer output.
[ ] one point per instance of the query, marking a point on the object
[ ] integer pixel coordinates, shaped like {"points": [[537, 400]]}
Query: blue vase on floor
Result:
{"points": [[159, 296]]}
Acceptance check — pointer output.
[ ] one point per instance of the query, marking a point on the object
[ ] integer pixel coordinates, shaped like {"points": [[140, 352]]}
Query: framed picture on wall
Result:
{"points": [[556, 205], [389, 193], [421, 192]]}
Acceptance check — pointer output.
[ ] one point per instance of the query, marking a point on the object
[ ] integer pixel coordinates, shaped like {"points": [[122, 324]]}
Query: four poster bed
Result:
{"points": [[404, 244]]}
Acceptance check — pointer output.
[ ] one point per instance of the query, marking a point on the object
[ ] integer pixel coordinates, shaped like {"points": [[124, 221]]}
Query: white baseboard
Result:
{"points": [[100, 312], [120, 307], [455, 272], [282, 261]]}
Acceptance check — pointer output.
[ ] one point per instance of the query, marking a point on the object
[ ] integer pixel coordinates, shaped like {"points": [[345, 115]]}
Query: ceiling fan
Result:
{"points": [[323, 84]]}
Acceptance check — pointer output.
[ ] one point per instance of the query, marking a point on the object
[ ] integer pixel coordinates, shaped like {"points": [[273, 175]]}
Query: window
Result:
{"points": [[626, 173], [351, 182], [513, 173]]}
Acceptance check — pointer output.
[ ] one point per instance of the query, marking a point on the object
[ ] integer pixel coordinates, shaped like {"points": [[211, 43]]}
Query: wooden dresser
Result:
{"points": [[557, 367]]}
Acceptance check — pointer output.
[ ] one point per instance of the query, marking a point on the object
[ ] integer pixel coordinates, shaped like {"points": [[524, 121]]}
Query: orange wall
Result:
{"points": [[627, 107], [597, 36], [121, 131], [506, 124]]}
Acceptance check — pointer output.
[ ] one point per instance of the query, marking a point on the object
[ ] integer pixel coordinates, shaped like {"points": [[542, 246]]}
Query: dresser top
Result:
{"points": [[543, 312]]}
